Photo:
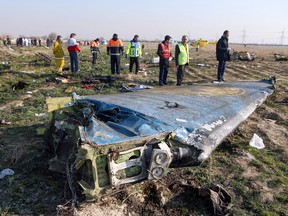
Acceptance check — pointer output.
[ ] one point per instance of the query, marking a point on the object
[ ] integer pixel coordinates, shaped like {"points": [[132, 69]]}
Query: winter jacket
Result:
{"points": [[222, 49], [115, 47], [72, 46], [58, 50]]}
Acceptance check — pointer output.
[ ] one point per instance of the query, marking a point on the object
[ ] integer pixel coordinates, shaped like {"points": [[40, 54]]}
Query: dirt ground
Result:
{"points": [[256, 180]]}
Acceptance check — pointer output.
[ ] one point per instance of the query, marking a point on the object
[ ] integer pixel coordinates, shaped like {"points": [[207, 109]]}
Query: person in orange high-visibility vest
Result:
{"points": [[114, 49], [164, 54], [94, 48]]}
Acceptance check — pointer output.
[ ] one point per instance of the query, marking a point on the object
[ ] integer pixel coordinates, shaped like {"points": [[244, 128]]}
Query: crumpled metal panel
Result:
{"points": [[115, 124]]}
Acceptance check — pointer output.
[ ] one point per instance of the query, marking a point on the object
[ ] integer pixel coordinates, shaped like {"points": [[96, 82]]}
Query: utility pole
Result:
{"points": [[282, 36], [244, 36]]}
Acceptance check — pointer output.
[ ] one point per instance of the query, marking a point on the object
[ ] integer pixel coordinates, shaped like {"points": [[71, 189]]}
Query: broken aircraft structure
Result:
{"points": [[110, 140], [242, 56], [279, 57]]}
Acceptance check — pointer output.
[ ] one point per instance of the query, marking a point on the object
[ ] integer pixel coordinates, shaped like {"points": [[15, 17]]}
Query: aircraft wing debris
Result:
{"points": [[126, 138]]}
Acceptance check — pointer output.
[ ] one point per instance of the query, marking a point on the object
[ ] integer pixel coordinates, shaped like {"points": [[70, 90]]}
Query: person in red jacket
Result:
{"points": [[73, 48], [164, 54]]}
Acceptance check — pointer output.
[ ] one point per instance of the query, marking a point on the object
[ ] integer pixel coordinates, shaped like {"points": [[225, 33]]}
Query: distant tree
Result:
{"points": [[52, 36]]}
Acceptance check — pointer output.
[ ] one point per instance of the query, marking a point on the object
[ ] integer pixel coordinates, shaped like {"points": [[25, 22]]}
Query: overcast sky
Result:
{"points": [[249, 21]]}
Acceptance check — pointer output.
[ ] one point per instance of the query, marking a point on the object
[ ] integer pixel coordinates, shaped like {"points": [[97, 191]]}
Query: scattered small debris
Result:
{"points": [[52, 80], [58, 80], [6, 172], [256, 142], [87, 87], [40, 114], [4, 65], [44, 57], [90, 80], [106, 79], [3, 122], [279, 57], [155, 60], [133, 87], [19, 85], [62, 79], [246, 56], [218, 197], [242, 56], [70, 89]]}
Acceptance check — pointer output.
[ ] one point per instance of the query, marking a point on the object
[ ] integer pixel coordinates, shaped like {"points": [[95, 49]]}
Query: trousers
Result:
{"points": [[73, 61], [115, 64]]}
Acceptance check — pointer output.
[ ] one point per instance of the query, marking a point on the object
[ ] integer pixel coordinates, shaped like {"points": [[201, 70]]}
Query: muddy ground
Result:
{"points": [[256, 180]]}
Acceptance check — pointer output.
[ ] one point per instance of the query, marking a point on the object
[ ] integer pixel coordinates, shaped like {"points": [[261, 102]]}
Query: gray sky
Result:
{"points": [[249, 21]]}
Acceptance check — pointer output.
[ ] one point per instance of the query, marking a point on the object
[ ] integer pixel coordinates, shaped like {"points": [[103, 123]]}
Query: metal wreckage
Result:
{"points": [[109, 140]]}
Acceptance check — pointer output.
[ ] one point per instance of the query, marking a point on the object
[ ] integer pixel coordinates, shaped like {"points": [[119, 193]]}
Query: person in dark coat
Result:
{"points": [[222, 55]]}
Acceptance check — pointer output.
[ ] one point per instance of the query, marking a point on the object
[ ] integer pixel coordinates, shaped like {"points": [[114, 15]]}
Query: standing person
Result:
{"points": [[21, 41], [8, 41], [94, 48], [222, 55], [181, 58], [164, 54], [73, 48], [58, 53], [134, 51], [114, 48], [197, 46]]}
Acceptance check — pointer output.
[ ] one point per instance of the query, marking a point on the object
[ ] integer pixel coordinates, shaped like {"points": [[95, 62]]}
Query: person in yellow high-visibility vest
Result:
{"points": [[58, 53], [181, 58], [134, 51]]}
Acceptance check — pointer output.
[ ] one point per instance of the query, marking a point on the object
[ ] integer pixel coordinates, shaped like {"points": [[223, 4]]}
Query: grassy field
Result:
{"points": [[257, 180]]}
